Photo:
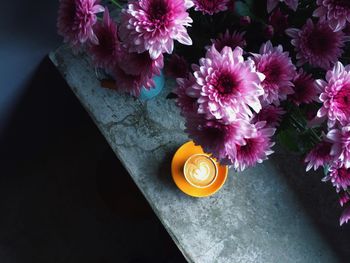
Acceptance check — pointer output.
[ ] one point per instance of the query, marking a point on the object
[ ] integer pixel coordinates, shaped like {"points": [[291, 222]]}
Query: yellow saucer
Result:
{"points": [[179, 159]]}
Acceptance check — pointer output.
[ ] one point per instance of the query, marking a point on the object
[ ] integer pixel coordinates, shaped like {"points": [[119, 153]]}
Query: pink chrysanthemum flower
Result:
{"points": [[186, 103], [345, 217], [211, 7], [278, 21], [135, 71], [105, 53], [270, 114], [76, 19], [226, 84], [256, 148], [339, 176], [236, 39], [335, 95], [319, 156], [292, 4], [335, 12], [218, 138], [341, 145], [153, 25], [305, 89], [317, 44], [176, 67], [279, 71], [344, 198]]}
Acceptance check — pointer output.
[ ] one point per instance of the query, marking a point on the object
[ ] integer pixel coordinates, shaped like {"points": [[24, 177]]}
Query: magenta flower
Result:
{"points": [[279, 71], [153, 25], [218, 138], [319, 156], [307, 44], [226, 85], [177, 67], [186, 103], [211, 7], [270, 114], [339, 176], [278, 21], [236, 39], [105, 53], [341, 145], [292, 4], [345, 217], [335, 95], [305, 89], [335, 12], [344, 198], [256, 148], [135, 71], [76, 19]]}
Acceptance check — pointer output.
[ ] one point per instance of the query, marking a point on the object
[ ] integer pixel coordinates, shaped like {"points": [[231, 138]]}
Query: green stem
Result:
{"points": [[117, 4]]}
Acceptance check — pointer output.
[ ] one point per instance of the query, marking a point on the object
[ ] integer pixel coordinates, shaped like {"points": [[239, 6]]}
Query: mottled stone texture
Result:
{"points": [[256, 217]]}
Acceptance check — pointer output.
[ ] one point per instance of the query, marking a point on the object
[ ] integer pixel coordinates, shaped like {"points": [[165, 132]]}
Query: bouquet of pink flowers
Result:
{"points": [[260, 71]]}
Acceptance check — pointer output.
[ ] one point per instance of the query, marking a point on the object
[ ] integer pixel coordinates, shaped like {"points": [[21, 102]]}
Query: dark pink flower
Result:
{"points": [[186, 103], [211, 7], [335, 12], [319, 156], [256, 148], [305, 89], [279, 71], [317, 44], [292, 4], [278, 21], [339, 176], [135, 71], [218, 138], [236, 39], [341, 145], [105, 53], [245, 21], [176, 67], [153, 25], [335, 95], [344, 198], [226, 85], [76, 19], [345, 217], [270, 114]]}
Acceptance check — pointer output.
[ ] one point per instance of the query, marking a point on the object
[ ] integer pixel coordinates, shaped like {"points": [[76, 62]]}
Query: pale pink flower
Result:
{"points": [[279, 72], [217, 138], [335, 12], [76, 19], [335, 95], [345, 217], [341, 145], [176, 67], [135, 71], [255, 149], [236, 39], [105, 53], [227, 85], [319, 156], [211, 7], [292, 4], [317, 44], [344, 198], [339, 176], [153, 25], [186, 103], [271, 114], [305, 89]]}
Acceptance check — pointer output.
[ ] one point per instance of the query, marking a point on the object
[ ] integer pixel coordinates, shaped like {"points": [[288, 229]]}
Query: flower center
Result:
{"points": [[226, 84], [272, 72], [158, 11], [320, 42], [342, 100]]}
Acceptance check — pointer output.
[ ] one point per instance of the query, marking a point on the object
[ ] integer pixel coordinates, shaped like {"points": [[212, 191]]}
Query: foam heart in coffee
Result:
{"points": [[200, 170]]}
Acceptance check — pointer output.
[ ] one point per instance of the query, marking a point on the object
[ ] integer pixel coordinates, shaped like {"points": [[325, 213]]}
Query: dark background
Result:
{"points": [[64, 196]]}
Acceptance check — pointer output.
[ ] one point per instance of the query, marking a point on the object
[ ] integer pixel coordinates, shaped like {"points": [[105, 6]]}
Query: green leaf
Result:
{"points": [[242, 9], [289, 140]]}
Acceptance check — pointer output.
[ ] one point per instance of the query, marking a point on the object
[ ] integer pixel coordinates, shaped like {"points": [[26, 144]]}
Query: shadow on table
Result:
{"points": [[64, 195], [318, 199]]}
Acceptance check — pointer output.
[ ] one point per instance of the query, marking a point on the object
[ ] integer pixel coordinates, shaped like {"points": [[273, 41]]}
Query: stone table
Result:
{"points": [[256, 217]]}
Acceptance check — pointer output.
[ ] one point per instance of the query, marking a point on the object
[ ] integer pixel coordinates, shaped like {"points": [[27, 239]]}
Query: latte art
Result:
{"points": [[200, 170]]}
